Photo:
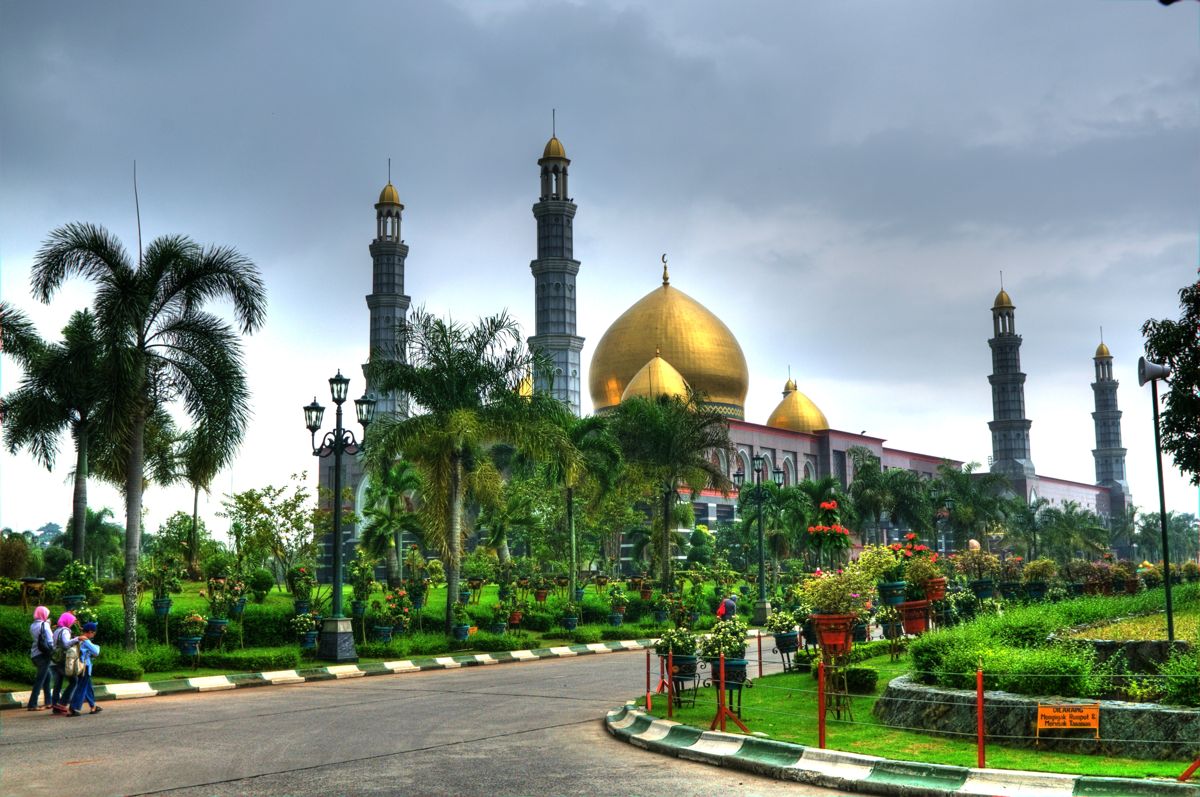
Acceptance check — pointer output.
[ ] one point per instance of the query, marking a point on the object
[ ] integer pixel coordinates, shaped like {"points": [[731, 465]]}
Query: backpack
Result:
{"points": [[721, 609], [60, 651], [43, 646], [73, 666]]}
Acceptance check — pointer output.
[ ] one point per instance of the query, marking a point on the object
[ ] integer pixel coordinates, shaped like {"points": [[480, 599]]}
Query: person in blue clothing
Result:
{"points": [[43, 645], [88, 651], [728, 607]]}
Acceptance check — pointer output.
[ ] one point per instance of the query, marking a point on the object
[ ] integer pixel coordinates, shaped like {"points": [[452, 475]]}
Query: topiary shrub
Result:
{"points": [[586, 636], [17, 666], [260, 582], [116, 663], [253, 659], [157, 658], [861, 680]]}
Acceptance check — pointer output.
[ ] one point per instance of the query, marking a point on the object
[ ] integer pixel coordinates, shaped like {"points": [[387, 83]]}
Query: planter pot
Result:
{"points": [[162, 607], [1106, 588], [684, 666], [523, 583], [787, 642], [1091, 588], [570, 623], [475, 583], [619, 609], [735, 672], [514, 618], [935, 588], [418, 601], [539, 595], [601, 582], [188, 645], [809, 632], [1075, 588], [235, 611], [73, 602], [983, 588], [464, 595], [308, 640], [1176, 578], [579, 594], [498, 628], [834, 632], [302, 606], [562, 583], [1011, 590], [615, 618], [646, 593], [944, 616], [358, 609], [216, 627], [892, 630], [460, 632], [660, 615], [635, 582], [1131, 586], [1035, 590], [891, 593], [915, 616], [383, 633], [860, 632]]}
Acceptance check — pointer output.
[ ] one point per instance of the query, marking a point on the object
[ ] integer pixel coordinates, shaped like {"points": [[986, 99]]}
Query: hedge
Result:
{"points": [[253, 659]]}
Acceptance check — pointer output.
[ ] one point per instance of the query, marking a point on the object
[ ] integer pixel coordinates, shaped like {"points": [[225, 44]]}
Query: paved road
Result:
{"points": [[510, 729]]}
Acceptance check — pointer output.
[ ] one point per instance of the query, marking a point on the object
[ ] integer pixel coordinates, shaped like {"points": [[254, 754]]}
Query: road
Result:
{"points": [[511, 729]]}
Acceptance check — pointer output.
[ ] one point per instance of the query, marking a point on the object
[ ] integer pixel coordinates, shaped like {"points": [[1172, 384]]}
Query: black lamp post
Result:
{"points": [[1152, 372], [762, 606], [337, 637]]}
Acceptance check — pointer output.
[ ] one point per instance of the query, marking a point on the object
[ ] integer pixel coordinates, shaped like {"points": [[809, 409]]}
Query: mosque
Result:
{"points": [[667, 341]]}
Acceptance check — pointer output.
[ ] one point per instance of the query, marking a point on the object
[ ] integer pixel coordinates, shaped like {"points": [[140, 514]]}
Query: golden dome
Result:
{"points": [[554, 149], [656, 378], [797, 413], [687, 335], [389, 195], [1102, 351], [525, 388], [1002, 301]]}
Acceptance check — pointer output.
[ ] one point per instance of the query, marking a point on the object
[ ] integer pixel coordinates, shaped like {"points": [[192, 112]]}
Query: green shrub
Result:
{"points": [[253, 659], [112, 586], [17, 666], [260, 582], [10, 591], [54, 559], [427, 644], [113, 662], [1181, 678], [218, 564], [389, 651], [482, 640], [861, 680], [158, 658], [14, 555], [588, 635]]}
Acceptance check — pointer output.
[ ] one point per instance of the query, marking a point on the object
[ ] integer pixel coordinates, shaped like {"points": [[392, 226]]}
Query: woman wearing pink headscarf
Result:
{"points": [[43, 644], [63, 640]]}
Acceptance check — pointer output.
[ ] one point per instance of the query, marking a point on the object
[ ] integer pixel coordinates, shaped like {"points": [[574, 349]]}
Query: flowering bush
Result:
{"points": [[842, 591], [1011, 568], [728, 637], [303, 580], [1040, 570], [461, 617], [883, 561], [193, 625], [918, 571], [780, 623], [86, 614], [829, 537], [617, 597], [395, 610], [305, 622], [978, 565], [222, 593], [679, 641], [161, 575], [362, 575], [76, 578]]}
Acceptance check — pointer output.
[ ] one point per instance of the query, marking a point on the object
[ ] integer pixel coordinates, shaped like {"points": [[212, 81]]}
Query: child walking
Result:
{"points": [[88, 650]]}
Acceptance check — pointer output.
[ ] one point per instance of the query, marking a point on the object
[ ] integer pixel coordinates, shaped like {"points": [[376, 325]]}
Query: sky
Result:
{"points": [[841, 182]]}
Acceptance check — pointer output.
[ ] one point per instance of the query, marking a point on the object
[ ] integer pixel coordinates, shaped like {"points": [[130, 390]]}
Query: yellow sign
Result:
{"points": [[1068, 717]]}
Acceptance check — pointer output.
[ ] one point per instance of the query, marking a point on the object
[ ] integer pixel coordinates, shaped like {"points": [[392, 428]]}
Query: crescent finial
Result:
{"points": [[666, 276]]}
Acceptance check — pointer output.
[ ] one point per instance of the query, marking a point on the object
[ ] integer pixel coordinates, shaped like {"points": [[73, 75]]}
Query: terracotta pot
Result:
{"points": [[835, 632], [915, 615], [935, 588]]}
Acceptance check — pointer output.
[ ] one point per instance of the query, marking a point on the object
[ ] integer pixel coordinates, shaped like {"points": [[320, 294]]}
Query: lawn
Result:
{"points": [[784, 707], [1151, 626]]}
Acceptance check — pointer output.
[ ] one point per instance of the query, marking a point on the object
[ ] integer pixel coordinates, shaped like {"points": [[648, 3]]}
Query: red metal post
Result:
{"points": [[649, 694], [1187, 773], [821, 704], [670, 684], [721, 693], [760, 654], [979, 715]]}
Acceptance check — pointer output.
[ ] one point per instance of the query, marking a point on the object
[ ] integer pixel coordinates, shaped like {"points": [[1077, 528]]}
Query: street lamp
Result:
{"points": [[1152, 372], [759, 496], [337, 639]]}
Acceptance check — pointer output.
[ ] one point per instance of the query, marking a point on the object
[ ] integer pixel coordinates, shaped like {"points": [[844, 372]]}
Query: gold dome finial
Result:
{"points": [[666, 276]]}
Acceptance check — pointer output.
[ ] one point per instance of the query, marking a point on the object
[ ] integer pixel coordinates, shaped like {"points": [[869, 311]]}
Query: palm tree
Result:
{"points": [[62, 391], [908, 500], [463, 384], [104, 539], [972, 503], [161, 345], [1069, 530], [673, 441], [869, 490], [1026, 524], [388, 513], [200, 461], [513, 512]]}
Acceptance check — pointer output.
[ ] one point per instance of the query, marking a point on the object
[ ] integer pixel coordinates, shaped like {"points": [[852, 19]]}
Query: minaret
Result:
{"points": [[387, 302], [554, 273], [1110, 456], [1010, 429]]}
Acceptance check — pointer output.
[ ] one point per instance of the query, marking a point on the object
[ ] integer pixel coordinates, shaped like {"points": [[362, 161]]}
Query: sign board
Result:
{"points": [[1068, 717]]}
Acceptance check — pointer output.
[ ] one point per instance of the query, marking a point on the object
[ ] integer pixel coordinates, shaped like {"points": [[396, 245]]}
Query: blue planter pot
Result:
{"points": [[570, 623], [1035, 590], [788, 642], [892, 630], [73, 602], [188, 645], [615, 619], [579, 594], [460, 632], [418, 601], [464, 595], [891, 593], [383, 633], [735, 672], [235, 611], [162, 607], [660, 615], [498, 628], [358, 609], [302, 606], [983, 588], [860, 632], [216, 627], [308, 640]]}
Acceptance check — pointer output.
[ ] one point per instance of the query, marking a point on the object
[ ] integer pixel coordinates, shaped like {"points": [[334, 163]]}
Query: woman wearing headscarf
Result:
{"points": [[62, 640], [83, 684], [43, 645]]}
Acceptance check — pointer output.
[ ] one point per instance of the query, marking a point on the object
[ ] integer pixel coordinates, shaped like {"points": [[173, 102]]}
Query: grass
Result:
{"points": [[1152, 626], [784, 707]]}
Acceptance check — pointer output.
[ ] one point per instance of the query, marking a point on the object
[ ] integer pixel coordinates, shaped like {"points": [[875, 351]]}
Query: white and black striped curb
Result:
{"points": [[864, 773], [210, 683]]}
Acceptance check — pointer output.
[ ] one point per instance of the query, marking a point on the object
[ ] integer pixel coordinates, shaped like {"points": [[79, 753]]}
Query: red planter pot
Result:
{"points": [[915, 615], [835, 632], [935, 588]]}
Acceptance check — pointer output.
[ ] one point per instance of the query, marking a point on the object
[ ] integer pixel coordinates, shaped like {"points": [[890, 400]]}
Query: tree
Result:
{"points": [[869, 490], [972, 503], [1025, 529], [177, 539], [673, 441], [103, 539], [388, 513], [160, 344], [277, 521], [513, 512], [1068, 531], [202, 454], [62, 391], [463, 384], [1177, 344]]}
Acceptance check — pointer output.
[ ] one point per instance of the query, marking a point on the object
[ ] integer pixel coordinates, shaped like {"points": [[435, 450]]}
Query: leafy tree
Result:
{"points": [[1177, 344], [177, 539], [463, 384], [278, 521], [515, 511], [1181, 536], [388, 513], [673, 441], [104, 539], [1069, 530], [161, 345], [62, 391], [1025, 529], [972, 503]]}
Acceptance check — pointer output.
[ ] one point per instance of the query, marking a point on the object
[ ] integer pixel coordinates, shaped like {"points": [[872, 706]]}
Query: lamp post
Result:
{"points": [[762, 606], [337, 637], [1152, 372]]}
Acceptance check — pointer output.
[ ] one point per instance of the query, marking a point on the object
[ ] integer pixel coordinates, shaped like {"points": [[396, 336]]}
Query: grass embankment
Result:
{"points": [[1154, 626], [784, 707]]}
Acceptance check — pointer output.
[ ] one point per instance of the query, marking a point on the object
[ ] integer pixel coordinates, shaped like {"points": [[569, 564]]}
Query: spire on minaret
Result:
{"points": [[387, 303], [554, 272], [1009, 427], [1108, 453]]}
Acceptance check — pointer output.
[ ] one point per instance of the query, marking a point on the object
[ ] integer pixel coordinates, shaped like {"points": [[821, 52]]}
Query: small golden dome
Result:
{"points": [[389, 195], [554, 149], [1003, 301], [687, 335], [656, 378], [789, 386], [797, 413], [1102, 351], [525, 388]]}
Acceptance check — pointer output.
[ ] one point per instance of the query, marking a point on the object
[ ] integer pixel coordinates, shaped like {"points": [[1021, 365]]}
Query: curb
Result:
{"points": [[211, 683], [864, 773]]}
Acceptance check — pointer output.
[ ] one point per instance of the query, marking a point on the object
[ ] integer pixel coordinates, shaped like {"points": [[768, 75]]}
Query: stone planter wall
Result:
{"points": [[1141, 657], [1133, 730]]}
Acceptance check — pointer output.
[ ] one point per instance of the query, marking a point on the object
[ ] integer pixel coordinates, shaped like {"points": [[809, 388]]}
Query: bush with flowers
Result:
{"points": [[303, 580], [192, 626], [828, 537], [222, 594], [677, 641], [843, 591], [1012, 568], [304, 623], [977, 565], [884, 561], [780, 622], [727, 637], [362, 575], [395, 610]]}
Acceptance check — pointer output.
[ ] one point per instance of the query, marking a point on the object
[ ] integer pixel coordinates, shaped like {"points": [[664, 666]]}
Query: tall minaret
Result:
{"points": [[387, 302], [1110, 456], [1010, 429], [554, 273]]}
